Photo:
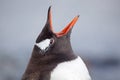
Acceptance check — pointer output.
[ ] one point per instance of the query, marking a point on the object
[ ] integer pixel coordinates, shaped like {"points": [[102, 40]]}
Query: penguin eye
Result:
{"points": [[51, 41]]}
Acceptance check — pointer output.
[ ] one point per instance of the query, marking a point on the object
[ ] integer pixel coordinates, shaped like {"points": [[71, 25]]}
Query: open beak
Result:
{"points": [[66, 29]]}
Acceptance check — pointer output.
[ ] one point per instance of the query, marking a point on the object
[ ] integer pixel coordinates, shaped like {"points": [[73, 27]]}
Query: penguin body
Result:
{"points": [[70, 70], [53, 58]]}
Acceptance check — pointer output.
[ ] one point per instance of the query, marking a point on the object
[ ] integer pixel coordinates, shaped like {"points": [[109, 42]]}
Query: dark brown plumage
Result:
{"points": [[41, 65]]}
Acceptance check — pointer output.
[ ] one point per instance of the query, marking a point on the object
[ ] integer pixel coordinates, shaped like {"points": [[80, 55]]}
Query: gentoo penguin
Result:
{"points": [[53, 58]]}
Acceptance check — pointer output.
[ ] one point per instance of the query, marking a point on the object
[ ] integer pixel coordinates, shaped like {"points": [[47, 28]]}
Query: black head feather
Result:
{"points": [[40, 66]]}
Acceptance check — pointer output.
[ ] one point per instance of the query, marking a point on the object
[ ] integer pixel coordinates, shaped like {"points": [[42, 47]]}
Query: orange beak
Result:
{"points": [[66, 29]]}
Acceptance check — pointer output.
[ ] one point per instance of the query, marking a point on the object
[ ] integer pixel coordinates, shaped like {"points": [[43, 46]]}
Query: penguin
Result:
{"points": [[52, 56]]}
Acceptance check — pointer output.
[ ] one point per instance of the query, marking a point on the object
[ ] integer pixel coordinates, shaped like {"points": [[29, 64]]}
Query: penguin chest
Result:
{"points": [[70, 70]]}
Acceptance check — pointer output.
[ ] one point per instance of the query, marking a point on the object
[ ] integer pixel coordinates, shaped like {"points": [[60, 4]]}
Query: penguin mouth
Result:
{"points": [[66, 29]]}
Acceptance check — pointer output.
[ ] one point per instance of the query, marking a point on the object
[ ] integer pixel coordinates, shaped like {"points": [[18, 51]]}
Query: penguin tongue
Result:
{"points": [[67, 28]]}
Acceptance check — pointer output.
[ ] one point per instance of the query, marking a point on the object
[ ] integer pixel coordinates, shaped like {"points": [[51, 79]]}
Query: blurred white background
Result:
{"points": [[95, 37]]}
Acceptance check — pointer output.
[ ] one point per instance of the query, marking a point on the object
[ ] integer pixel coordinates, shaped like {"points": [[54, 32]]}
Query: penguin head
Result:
{"points": [[49, 41]]}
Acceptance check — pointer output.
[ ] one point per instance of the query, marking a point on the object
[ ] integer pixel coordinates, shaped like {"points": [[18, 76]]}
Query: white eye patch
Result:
{"points": [[43, 44]]}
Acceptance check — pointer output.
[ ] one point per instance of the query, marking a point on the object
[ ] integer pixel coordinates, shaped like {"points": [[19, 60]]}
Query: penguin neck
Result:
{"points": [[64, 46], [41, 63]]}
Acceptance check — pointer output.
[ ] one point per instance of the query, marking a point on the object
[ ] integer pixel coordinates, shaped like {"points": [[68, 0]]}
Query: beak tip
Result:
{"points": [[50, 7], [49, 12]]}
